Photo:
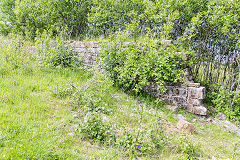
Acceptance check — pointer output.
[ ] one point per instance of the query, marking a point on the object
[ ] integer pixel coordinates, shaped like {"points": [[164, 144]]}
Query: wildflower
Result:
{"points": [[3, 126]]}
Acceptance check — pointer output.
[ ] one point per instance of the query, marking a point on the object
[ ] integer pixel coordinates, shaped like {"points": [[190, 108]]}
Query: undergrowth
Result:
{"points": [[134, 65], [223, 100], [66, 112]]}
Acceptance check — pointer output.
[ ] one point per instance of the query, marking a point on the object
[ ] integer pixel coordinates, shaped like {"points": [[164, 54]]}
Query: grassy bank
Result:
{"points": [[56, 112]]}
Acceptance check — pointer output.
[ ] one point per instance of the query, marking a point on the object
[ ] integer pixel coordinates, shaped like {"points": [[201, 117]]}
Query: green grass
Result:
{"points": [[44, 114]]}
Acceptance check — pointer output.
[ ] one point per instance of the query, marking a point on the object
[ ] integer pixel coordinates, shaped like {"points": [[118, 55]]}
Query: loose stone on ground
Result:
{"points": [[184, 125], [172, 108]]}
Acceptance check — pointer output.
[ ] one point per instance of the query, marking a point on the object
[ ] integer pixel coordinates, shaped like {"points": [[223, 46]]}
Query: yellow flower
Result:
{"points": [[3, 126]]}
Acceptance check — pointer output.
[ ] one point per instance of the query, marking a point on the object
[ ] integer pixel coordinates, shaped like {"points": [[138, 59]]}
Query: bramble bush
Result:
{"points": [[95, 96]]}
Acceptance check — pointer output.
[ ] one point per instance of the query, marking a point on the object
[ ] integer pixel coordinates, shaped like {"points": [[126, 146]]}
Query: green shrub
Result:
{"points": [[133, 143], [25, 17], [95, 95], [142, 141], [55, 52], [227, 102], [190, 151], [136, 64], [108, 16], [223, 100], [94, 128]]}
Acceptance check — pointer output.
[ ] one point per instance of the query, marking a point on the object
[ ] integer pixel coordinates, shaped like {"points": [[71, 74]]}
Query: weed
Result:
{"points": [[190, 151], [95, 96], [64, 90], [56, 52], [94, 128]]}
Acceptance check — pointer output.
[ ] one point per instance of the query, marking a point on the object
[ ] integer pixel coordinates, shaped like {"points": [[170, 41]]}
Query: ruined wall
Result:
{"points": [[188, 95]]}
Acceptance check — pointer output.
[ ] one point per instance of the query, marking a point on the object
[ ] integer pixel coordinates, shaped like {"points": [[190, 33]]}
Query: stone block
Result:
{"points": [[197, 85], [78, 44], [200, 110], [182, 92], [169, 101], [96, 45], [231, 127], [176, 91], [189, 108], [126, 43], [221, 116], [190, 78], [89, 44], [184, 125], [196, 93], [169, 90], [179, 116], [178, 99], [172, 108], [195, 102]]}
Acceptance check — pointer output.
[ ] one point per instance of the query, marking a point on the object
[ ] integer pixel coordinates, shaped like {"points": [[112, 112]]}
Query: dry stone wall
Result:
{"points": [[188, 95]]}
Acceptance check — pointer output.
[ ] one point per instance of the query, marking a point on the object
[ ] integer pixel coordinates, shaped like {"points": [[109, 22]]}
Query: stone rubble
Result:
{"points": [[179, 116], [230, 127], [172, 108], [221, 116], [184, 125], [197, 85]]}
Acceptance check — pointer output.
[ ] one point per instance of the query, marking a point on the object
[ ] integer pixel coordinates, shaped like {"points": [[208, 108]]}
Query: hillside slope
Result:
{"points": [[56, 112]]}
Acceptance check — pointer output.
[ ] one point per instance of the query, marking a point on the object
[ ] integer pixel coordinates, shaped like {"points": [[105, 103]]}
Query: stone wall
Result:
{"points": [[188, 95]]}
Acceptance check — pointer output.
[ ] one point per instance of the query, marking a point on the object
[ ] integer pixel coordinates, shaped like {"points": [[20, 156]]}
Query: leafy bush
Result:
{"points": [[95, 101], [227, 102], [134, 65], [133, 143], [95, 129], [223, 100], [190, 151], [95, 96], [107, 16], [55, 52], [25, 17], [142, 141]]}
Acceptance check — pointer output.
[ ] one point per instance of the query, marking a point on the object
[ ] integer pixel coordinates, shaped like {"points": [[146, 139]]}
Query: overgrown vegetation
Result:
{"points": [[58, 112], [223, 100], [52, 107], [134, 65], [55, 51], [26, 17]]}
